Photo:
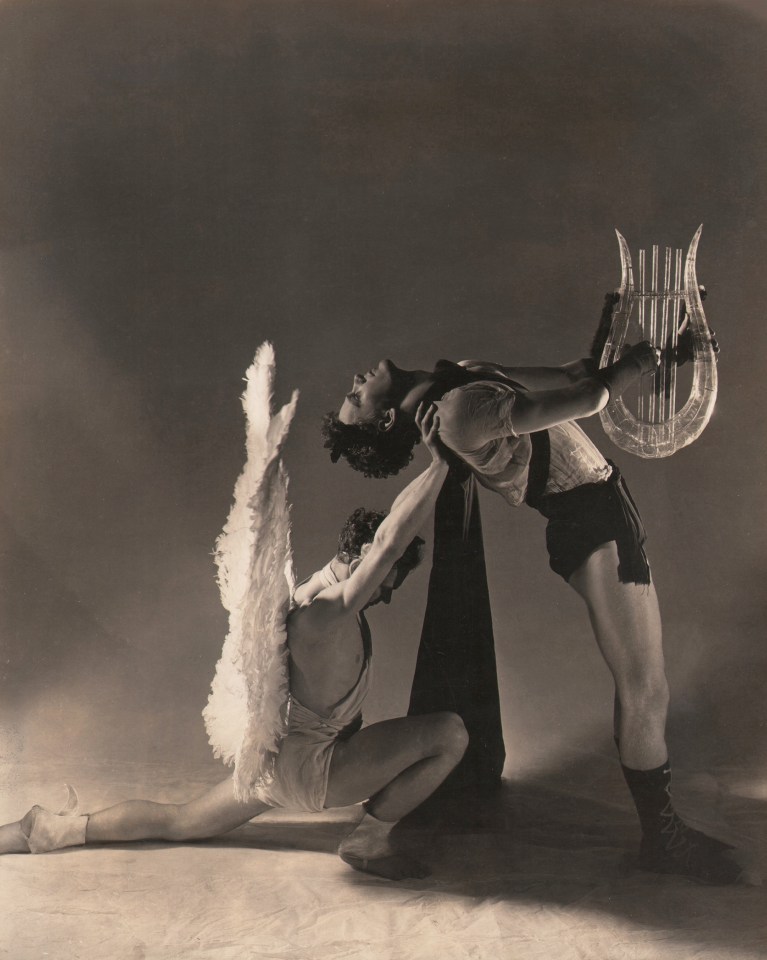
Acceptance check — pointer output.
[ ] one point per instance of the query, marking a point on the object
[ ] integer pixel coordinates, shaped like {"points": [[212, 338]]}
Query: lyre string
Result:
{"points": [[657, 403], [675, 327], [663, 373]]}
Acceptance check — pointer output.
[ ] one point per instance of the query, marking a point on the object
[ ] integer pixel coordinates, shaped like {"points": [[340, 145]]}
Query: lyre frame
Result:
{"points": [[657, 429]]}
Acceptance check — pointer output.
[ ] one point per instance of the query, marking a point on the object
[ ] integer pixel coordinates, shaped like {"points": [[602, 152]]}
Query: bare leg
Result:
{"points": [[213, 813], [627, 625], [13, 839], [395, 764], [210, 815]]}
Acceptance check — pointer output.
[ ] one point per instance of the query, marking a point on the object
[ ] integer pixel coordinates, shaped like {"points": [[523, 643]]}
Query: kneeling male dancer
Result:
{"points": [[513, 426], [325, 760]]}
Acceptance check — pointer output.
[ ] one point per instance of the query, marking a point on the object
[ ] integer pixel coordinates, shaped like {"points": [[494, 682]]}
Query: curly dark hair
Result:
{"points": [[360, 528], [373, 452]]}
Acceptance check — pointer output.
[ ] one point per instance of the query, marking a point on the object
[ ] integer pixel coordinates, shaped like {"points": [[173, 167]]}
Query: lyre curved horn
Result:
{"points": [[657, 428]]}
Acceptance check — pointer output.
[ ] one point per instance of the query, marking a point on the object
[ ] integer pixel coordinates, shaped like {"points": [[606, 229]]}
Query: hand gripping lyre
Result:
{"points": [[657, 426]]}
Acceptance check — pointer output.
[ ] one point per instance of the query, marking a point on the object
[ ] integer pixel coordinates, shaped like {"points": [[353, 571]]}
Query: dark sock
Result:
{"points": [[651, 792]]}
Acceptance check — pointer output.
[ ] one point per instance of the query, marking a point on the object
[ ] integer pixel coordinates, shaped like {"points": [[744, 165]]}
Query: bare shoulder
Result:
{"points": [[312, 621]]}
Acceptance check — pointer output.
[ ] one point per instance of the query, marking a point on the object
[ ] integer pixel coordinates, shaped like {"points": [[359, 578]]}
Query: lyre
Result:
{"points": [[664, 294]]}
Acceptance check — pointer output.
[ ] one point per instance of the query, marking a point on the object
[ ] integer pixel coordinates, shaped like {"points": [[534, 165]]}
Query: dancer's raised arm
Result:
{"points": [[408, 514]]}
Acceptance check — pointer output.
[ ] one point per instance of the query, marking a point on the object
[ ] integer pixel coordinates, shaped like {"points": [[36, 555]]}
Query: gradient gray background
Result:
{"points": [[354, 180]]}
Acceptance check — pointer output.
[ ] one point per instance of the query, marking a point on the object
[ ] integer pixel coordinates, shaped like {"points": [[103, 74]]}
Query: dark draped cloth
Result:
{"points": [[455, 669]]}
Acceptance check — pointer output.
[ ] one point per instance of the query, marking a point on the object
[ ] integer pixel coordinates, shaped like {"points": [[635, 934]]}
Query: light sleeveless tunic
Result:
{"points": [[302, 766]]}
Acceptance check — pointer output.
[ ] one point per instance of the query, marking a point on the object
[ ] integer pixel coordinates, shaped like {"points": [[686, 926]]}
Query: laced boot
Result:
{"points": [[669, 845], [680, 849]]}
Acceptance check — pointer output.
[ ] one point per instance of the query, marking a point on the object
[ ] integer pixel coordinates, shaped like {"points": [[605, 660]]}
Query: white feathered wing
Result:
{"points": [[246, 713]]}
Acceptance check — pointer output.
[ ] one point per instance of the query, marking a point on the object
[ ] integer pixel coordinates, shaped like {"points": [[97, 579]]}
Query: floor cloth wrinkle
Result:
{"points": [[546, 871]]}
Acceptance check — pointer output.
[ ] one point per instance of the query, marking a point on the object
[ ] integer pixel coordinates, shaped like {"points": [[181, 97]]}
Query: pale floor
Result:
{"points": [[544, 871]]}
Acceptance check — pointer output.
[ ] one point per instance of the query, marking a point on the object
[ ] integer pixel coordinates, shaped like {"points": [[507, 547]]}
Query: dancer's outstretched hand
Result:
{"points": [[427, 421]]}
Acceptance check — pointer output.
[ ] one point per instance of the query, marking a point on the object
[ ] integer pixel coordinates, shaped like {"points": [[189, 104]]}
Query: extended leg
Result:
{"points": [[394, 765], [627, 626], [213, 813]]}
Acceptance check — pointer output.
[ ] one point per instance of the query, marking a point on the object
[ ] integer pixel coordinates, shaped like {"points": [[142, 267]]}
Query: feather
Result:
{"points": [[246, 714]]}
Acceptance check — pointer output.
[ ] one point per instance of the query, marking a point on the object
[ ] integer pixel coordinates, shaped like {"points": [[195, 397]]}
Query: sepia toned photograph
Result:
{"points": [[383, 480]]}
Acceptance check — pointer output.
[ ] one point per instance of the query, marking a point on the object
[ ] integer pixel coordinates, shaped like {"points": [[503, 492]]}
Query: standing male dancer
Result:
{"points": [[513, 427], [325, 760]]}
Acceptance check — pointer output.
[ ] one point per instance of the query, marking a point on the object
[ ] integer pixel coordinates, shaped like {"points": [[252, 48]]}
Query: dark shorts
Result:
{"points": [[582, 519]]}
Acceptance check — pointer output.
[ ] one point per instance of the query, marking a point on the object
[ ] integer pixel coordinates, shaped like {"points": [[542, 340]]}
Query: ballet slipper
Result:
{"points": [[52, 831]]}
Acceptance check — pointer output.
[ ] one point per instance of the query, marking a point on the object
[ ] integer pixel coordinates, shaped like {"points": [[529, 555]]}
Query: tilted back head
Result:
{"points": [[368, 449]]}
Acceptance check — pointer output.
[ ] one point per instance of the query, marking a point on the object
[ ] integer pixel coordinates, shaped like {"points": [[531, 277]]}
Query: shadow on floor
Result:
{"points": [[555, 844]]}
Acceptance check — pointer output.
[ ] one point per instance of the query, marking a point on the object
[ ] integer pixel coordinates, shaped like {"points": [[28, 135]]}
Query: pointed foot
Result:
{"points": [[48, 831], [393, 867]]}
